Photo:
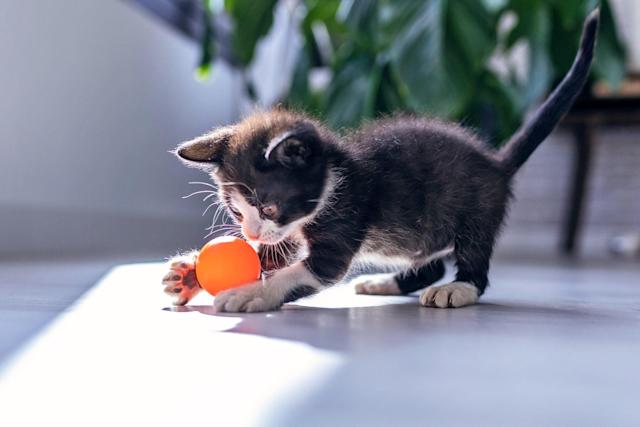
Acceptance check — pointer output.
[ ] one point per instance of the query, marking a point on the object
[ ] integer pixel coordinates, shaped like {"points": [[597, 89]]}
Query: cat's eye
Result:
{"points": [[269, 211], [236, 212]]}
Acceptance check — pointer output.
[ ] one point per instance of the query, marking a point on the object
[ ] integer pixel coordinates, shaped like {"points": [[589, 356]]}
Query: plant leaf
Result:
{"points": [[252, 20], [610, 54], [471, 27], [495, 110], [347, 97], [420, 58], [534, 27]]}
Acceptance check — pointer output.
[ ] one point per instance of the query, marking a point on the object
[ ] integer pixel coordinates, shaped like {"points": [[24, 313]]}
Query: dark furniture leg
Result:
{"points": [[583, 140]]}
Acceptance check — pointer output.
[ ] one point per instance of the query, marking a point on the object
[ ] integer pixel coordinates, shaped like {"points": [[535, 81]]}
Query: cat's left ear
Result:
{"points": [[293, 151], [207, 151]]}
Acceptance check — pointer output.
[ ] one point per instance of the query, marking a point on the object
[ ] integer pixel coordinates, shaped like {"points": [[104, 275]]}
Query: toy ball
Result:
{"points": [[226, 262]]}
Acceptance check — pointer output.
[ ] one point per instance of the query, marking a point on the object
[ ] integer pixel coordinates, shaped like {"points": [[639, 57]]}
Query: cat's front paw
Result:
{"points": [[181, 280], [250, 298], [451, 295]]}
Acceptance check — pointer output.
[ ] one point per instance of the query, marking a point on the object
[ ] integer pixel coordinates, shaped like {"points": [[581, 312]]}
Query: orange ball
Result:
{"points": [[226, 262]]}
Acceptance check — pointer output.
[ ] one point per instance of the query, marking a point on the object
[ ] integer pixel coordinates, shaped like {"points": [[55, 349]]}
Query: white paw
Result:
{"points": [[454, 294], [376, 284], [250, 298]]}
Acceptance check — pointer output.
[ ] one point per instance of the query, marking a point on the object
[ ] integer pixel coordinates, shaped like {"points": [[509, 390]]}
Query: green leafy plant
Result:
{"points": [[430, 56]]}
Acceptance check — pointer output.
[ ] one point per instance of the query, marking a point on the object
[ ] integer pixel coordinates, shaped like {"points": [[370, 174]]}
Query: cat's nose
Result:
{"points": [[250, 234]]}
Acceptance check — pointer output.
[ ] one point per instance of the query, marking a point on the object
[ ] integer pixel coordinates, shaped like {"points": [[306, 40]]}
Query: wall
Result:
{"points": [[542, 188], [93, 94], [627, 13]]}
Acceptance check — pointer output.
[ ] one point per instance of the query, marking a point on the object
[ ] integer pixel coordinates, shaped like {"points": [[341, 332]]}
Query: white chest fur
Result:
{"points": [[400, 261]]}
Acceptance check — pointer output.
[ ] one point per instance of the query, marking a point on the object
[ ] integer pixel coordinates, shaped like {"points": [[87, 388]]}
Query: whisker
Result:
{"points": [[242, 184], [213, 194], [197, 192], [266, 254], [214, 219], [220, 228], [226, 224], [213, 222], [281, 247], [289, 250], [292, 252], [219, 211], [208, 207], [273, 255], [204, 183]]}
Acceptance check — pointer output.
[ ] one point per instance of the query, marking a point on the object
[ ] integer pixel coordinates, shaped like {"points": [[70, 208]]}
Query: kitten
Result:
{"points": [[403, 190]]}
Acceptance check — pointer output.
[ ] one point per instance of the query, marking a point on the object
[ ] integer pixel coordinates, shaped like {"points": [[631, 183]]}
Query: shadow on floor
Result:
{"points": [[365, 328], [503, 362]]}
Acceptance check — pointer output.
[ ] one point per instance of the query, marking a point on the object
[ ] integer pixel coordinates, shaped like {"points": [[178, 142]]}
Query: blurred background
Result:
{"points": [[94, 94]]}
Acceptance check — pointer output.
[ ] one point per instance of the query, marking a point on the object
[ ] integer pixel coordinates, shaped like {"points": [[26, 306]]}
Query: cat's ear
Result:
{"points": [[291, 151], [207, 151]]}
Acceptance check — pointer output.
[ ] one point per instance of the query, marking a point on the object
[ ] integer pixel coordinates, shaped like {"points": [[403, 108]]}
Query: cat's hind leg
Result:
{"points": [[472, 261], [400, 283], [376, 284]]}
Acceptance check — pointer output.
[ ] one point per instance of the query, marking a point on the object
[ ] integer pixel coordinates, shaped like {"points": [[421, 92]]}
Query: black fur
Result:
{"points": [[299, 292], [404, 187], [413, 280], [525, 141]]}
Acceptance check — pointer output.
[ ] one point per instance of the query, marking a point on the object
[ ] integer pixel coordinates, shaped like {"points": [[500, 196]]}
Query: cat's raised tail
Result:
{"points": [[518, 149]]}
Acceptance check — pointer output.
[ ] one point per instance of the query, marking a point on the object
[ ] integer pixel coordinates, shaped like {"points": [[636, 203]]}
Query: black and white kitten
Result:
{"points": [[403, 190]]}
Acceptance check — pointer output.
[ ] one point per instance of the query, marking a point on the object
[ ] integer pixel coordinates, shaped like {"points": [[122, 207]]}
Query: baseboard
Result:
{"points": [[522, 241]]}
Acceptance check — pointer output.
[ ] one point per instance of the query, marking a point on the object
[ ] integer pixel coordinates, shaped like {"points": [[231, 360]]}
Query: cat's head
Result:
{"points": [[271, 169]]}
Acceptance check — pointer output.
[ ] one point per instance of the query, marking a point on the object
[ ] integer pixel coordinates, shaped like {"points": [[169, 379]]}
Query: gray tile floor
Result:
{"points": [[552, 343]]}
